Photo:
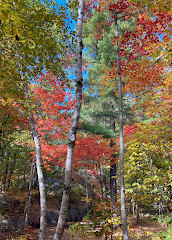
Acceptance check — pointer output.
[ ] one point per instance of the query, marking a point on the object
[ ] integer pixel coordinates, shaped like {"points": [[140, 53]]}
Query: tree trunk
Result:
{"points": [[39, 169], [122, 188], [5, 172], [104, 181], [113, 185], [112, 118], [137, 213], [11, 171], [3, 123], [113, 167], [86, 189], [26, 210], [4, 180], [72, 133], [24, 180], [99, 177]]}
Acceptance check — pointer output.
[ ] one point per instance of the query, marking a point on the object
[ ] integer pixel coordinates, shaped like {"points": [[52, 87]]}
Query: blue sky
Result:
{"points": [[60, 1], [63, 2]]}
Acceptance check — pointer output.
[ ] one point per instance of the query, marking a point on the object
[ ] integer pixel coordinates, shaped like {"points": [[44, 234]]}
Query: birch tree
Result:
{"points": [[72, 133], [38, 167]]}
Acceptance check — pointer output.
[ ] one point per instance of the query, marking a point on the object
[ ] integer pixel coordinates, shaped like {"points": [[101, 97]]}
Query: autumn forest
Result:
{"points": [[85, 119]]}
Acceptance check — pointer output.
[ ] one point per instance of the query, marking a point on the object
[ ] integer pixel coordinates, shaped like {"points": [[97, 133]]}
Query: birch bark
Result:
{"points": [[72, 133], [39, 168]]}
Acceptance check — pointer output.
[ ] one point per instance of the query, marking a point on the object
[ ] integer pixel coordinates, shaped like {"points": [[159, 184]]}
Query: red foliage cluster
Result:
{"points": [[138, 44], [91, 150], [18, 119], [130, 130], [54, 104]]}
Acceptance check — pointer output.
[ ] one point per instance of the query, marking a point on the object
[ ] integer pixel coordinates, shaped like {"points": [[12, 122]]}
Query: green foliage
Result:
{"points": [[147, 167], [77, 192], [33, 38], [100, 50], [146, 182], [15, 157], [166, 220], [153, 4], [98, 112]]}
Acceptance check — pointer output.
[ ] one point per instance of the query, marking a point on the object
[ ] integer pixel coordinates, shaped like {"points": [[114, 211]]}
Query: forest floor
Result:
{"points": [[138, 231]]}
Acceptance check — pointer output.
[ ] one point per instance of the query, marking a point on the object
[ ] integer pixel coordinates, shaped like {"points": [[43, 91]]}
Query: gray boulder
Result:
{"points": [[10, 224]]}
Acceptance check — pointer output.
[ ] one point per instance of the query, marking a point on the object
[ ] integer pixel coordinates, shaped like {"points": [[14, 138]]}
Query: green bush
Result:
{"points": [[77, 192], [166, 220]]}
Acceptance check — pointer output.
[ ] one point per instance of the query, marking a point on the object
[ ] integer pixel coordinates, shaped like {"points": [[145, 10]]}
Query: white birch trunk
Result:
{"points": [[122, 188], [39, 169], [72, 133]]}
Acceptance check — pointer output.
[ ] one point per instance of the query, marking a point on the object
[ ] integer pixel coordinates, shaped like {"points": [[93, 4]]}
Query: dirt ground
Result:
{"points": [[147, 225]]}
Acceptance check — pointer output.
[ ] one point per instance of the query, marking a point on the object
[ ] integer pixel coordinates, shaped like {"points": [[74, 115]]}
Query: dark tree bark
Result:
{"points": [[104, 181], [28, 202], [5, 172], [113, 167], [112, 117], [11, 171], [99, 177], [72, 133], [86, 188], [3, 123], [113, 185]]}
